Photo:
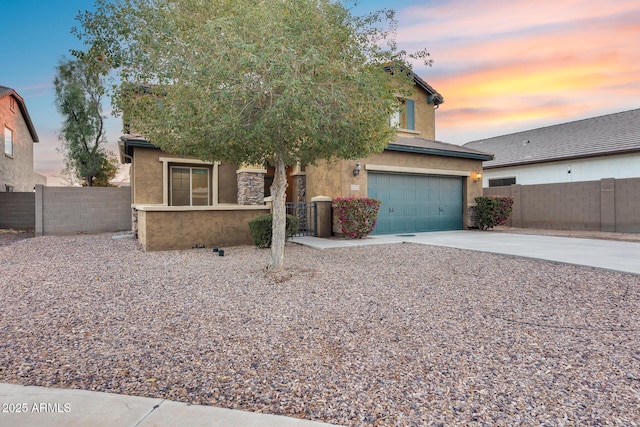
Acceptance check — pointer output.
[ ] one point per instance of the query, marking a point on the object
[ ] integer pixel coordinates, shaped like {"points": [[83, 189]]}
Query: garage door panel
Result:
{"points": [[415, 203]]}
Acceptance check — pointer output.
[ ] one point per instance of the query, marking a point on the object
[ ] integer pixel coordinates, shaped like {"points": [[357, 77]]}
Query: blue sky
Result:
{"points": [[501, 66]]}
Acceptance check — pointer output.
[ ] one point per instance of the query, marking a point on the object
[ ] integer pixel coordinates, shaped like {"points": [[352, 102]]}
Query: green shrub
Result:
{"points": [[356, 216], [493, 210], [260, 228]]}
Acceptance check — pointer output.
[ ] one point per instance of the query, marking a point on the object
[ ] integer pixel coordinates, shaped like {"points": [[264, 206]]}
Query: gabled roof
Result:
{"points": [[7, 91], [436, 148], [617, 133], [433, 95]]}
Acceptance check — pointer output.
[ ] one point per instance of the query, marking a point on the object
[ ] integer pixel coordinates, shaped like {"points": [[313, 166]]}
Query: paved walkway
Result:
{"points": [[606, 254], [38, 406]]}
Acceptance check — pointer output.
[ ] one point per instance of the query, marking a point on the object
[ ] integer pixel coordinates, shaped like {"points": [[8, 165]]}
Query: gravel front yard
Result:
{"points": [[387, 335]]}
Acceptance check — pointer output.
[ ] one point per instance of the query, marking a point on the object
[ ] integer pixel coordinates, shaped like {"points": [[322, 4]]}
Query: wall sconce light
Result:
{"points": [[477, 177], [357, 169]]}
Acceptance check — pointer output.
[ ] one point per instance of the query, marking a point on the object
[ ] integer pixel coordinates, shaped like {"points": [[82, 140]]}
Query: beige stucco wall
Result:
{"points": [[425, 117], [147, 178], [17, 170], [227, 183], [146, 172], [335, 179], [169, 230]]}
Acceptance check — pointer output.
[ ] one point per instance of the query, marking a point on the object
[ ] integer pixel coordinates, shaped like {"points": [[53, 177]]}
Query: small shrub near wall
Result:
{"points": [[261, 226], [356, 217], [493, 210]]}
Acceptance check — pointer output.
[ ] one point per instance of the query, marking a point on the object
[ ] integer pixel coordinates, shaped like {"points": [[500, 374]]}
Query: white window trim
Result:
{"points": [[165, 177], [395, 120], [10, 132], [396, 117]]}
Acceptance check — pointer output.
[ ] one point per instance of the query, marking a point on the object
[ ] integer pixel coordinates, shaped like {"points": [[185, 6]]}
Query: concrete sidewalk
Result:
{"points": [[605, 254], [38, 406]]}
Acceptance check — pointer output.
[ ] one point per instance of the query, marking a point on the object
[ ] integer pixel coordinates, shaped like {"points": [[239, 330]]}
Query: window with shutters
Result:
{"points": [[404, 118]]}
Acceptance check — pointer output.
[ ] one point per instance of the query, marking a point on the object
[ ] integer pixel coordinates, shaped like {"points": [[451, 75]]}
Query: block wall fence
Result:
{"points": [[18, 210], [605, 205], [70, 210]]}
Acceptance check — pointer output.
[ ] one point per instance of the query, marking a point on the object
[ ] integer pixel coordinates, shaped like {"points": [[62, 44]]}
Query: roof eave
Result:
{"points": [[25, 114], [436, 99], [437, 152], [564, 158], [126, 146]]}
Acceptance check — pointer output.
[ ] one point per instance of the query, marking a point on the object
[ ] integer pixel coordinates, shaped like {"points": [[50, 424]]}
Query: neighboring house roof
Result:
{"points": [[7, 91], [617, 133], [436, 148]]}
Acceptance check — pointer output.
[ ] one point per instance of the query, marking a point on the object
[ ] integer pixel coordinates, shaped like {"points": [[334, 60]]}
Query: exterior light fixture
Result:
{"points": [[357, 169], [477, 177]]}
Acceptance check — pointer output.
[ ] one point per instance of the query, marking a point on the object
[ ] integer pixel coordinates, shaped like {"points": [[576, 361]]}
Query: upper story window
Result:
{"points": [[8, 142], [189, 186], [12, 104], [404, 118]]}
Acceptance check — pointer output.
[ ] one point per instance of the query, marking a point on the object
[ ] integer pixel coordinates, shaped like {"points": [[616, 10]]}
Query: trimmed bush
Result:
{"points": [[493, 210], [260, 228], [356, 216]]}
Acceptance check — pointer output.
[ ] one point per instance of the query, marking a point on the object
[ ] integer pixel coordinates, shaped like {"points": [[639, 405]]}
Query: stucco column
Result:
{"points": [[323, 215], [251, 185]]}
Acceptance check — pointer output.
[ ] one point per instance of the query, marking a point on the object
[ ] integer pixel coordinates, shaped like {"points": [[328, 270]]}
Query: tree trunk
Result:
{"points": [[279, 196], [89, 179]]}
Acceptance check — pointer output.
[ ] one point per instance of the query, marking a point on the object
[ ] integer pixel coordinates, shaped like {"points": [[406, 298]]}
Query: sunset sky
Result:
{"points": [[501, 66]]}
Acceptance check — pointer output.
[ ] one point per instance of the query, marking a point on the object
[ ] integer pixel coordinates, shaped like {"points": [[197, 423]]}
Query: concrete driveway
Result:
{"points": [[606, 254]]}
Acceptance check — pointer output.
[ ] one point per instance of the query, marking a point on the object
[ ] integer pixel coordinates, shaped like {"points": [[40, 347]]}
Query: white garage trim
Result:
{"points": [[419, 171]]}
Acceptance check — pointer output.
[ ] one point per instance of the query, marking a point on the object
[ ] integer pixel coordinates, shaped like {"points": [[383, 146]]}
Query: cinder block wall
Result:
{"points": [[18, 210], [627, 205], [605, 205], [64, 210]]}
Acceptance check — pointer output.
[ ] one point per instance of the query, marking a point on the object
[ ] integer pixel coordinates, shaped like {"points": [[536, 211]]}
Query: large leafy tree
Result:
{"points": [[255, 82], [79, 89]]}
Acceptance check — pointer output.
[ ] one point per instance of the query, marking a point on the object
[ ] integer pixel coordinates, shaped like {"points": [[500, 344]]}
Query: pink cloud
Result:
{"points": [[507, 66]]}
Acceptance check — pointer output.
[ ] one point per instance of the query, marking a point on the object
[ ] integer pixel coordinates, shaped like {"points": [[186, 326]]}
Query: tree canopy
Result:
{"points": [[79, 90], [254, 82]]}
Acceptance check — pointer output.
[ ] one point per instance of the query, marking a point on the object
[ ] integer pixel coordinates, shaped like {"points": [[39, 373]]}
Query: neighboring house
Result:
{"points": [[424, 185], [584, 150], [17, 138]]}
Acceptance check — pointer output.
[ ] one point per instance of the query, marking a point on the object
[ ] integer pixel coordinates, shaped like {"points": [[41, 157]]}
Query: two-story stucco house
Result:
{"points": [[424, 184], [17, 136]]}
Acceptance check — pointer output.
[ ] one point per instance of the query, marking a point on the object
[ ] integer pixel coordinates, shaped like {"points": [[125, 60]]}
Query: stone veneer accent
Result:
{"points": [[301, 188], [250, 188], [134, 221], [472, 217]]}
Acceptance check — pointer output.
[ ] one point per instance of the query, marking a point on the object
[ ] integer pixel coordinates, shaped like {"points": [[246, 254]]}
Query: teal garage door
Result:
{"points": [[416, 203]]}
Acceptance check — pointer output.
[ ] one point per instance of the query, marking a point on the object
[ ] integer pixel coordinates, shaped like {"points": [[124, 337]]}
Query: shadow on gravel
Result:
{"points": [[10, 236]]}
